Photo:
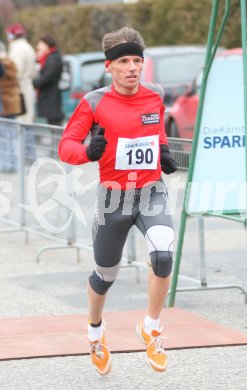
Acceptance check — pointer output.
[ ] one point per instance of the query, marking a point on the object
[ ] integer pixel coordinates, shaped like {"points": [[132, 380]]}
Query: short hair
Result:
{"points": [[124, 34], [48, 40]]}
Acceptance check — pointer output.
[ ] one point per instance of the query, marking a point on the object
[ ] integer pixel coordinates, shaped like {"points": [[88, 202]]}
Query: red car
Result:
{"points": [[182, 114]]}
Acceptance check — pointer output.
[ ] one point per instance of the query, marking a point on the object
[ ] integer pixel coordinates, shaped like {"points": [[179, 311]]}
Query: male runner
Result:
{"points": [[131, 147]]}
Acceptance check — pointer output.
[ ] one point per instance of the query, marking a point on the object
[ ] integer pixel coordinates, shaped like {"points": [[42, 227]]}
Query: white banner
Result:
{"points": [[219, 177]]}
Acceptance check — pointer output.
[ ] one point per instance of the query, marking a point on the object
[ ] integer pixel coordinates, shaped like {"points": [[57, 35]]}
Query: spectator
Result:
{"points": [[49, 95], [10, 107], [9, 86], [1, 75], [23, 55], [1, 70]]}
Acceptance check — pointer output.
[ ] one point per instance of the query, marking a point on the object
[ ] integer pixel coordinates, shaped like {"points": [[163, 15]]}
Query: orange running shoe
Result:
{"points": [[100, 355], [155, 354]]}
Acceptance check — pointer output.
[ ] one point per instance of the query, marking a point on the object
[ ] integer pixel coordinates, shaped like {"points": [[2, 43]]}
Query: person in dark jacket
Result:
{"points": [[10, 106], [1, 70], [48, 93], [1, 75]]}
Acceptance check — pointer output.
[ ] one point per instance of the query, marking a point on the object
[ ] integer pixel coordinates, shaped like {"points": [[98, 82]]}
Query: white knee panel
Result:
{"points": [[160, 238]]}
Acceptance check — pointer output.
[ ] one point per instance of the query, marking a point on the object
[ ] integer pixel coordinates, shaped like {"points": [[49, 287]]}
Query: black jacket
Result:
{"points": [[49, 95], [1, 70]]}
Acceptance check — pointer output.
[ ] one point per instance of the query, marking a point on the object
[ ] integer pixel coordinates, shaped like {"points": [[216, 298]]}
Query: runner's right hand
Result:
{"points": [[97, 146]]}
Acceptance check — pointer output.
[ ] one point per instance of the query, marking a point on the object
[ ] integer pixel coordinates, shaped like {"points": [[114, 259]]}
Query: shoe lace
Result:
{"points": [[157, 342], [96, 348]]}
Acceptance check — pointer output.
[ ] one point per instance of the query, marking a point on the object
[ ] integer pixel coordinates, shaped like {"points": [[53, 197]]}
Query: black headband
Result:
{"points": [[124, 49]]}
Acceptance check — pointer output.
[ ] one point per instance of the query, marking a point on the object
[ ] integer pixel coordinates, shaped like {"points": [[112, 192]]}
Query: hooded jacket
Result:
{"points": [[9, 89]]}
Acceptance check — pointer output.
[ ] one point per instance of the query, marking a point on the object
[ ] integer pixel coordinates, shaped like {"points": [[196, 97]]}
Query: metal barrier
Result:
{"points": [[41, 190], [21, 146], [42, 196]]}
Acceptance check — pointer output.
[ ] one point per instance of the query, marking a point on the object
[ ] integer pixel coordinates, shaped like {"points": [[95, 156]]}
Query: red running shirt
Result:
{"points": [[134, 129]]}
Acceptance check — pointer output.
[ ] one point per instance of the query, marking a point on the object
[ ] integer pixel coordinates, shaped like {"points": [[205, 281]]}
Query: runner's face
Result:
{"points": [[126, 74]]}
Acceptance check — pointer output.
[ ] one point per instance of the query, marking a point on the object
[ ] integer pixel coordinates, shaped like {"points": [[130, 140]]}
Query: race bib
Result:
{"points": [[137, 153]]}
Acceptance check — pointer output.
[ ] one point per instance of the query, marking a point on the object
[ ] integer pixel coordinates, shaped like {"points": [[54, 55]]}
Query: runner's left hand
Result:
{"points": [[168, 164]]}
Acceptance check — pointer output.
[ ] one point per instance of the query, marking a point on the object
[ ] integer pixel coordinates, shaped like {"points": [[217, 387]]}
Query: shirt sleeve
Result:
{"points": [[71, 148]]}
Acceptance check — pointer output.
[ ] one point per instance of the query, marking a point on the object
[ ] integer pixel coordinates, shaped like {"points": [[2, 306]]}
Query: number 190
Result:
{"points": [[139, 156]]}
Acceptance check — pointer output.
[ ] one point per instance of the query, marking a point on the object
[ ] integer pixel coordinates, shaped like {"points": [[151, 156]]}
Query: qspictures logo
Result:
{"points": [[56, 193], [66, 185], [150, 119]]}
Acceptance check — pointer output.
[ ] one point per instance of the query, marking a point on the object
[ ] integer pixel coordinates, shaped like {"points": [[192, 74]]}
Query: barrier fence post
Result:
{"points": [[202, 252], [208, 61], [244, 46], [21, 172]]}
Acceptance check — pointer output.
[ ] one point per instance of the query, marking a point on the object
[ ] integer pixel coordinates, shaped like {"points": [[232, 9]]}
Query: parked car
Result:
{"points": [[85, 70], [173, 67], [182, 115]]}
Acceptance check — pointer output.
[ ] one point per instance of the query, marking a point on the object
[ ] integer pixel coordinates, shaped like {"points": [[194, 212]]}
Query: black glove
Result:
{"points": [[97, 146], [168, 164]]}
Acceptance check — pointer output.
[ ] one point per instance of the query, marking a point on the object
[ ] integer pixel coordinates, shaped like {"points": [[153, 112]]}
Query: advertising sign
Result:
{"points": [[219, 176]]}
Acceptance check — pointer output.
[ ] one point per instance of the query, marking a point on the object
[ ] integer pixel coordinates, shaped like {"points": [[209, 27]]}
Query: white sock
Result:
{"points": [[151, 324], [94, 333]]}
